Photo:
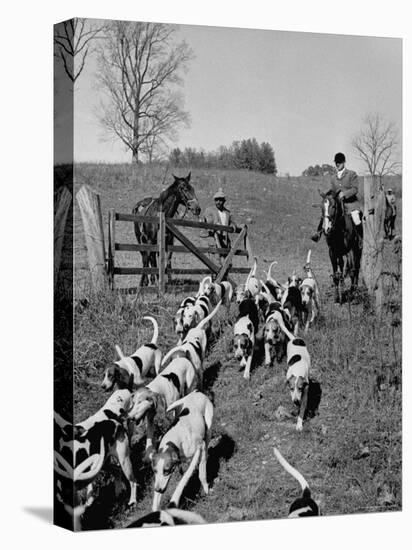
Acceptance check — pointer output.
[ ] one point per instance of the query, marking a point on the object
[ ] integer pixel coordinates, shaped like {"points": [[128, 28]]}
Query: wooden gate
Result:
{"points": [[240, 247]]}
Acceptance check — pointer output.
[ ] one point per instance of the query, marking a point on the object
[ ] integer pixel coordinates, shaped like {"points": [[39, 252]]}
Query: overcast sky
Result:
{"points": [[304, 93]]}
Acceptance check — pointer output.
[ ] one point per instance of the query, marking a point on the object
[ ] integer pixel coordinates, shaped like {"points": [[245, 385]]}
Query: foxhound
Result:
{"points": [[310, 296], [251, 288], [292, 302], [81, 451], [187, 439], [178, 318], [297, 375], [244, 332], [175, 381], [217, 292], [130, 371], [194, 345], [304, 505], [193, 314], [274, 338]]}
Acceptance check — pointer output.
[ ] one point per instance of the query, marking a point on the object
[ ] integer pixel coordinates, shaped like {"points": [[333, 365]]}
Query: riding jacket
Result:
{"points": [[348, 184]]}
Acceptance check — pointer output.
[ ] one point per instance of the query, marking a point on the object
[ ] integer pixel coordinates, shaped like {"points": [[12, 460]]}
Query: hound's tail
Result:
{"points": [[269, 272], [156, 328], [308, 257], [204, 321], [119, 351], [292, 471]]}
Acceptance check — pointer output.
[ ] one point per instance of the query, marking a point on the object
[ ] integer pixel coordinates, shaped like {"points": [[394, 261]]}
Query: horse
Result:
{"points": [[343, 242], [180, 192]]}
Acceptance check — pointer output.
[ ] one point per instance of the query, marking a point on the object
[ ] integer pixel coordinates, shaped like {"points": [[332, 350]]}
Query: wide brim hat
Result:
{"points": [[219, 194]]}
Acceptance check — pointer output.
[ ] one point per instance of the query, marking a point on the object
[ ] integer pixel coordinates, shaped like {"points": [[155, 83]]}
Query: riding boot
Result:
{"points": [[316, 236], [359, 232]]}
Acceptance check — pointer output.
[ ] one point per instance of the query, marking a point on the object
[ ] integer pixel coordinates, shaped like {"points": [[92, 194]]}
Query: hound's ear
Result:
{"points": [[175, 177], [159, 403], [174, 452], [188, 176]]}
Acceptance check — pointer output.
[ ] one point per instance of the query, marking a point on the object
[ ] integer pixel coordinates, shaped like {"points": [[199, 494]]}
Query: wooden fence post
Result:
{"points": [[89, 204], [161, 242], [373, 239], [111, 247], [63, 201]]}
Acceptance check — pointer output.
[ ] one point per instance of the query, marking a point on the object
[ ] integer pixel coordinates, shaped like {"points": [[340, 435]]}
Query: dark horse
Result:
{"points": [[344, 244], [180, 192]]}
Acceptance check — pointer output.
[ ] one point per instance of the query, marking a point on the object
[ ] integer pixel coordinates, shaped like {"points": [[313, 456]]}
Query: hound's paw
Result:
{"points": [[206, 489], [267, 365], [131, 505], [246, 376], [299, 426]]}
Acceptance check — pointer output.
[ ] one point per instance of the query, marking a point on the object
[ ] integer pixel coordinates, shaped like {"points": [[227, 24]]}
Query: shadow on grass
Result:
{"points": [[222, 451], [112, 493]]}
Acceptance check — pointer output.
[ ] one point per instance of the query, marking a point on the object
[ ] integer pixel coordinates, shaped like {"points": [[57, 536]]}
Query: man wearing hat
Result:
{"points": [[345, 183], [219, 215]]}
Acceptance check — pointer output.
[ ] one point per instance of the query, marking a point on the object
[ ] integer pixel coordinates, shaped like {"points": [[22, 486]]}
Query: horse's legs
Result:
{"points": [[336, 275], [145, 261], [153, 263]]}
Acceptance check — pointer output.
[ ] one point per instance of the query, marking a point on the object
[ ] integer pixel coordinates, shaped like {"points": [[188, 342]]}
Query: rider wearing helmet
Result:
{"points": [[345, 183]]}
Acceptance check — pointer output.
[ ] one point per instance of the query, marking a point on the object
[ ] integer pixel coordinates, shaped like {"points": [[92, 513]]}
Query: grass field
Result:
{"points": [[350, 453]]}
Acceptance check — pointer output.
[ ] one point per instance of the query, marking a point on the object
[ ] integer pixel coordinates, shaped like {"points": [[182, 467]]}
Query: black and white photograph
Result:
{"points": [[227, 274]]}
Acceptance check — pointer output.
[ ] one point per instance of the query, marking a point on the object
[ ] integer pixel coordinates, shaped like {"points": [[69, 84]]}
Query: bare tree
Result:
{"points": [[73, 40], [140, 68], [377, 145]]}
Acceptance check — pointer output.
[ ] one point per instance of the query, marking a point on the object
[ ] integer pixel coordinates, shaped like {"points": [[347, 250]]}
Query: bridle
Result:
{"points": [[188, 203], [332, 219]]}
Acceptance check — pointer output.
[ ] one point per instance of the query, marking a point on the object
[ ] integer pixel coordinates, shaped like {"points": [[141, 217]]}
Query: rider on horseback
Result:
{"points": [[345, 184]]}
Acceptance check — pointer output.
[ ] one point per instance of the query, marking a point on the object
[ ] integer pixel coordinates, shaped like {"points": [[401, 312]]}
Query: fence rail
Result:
{"points": [[185, 245]]}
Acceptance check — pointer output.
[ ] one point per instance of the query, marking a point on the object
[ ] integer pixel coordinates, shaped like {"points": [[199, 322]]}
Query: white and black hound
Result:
{"points": [[292, 303], [175, 381], [251, 288], [275, 340], [168, 517], [272, 287], [187, 439], [297, 375], [82, 449], [193, 314], [244, 334], [304, 505], [310, 296], [217, 292], [130, 372], [178, 318], [194, 345]]}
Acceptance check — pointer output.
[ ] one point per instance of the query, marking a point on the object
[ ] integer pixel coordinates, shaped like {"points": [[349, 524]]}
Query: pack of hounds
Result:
{"points": [[270, 316]]}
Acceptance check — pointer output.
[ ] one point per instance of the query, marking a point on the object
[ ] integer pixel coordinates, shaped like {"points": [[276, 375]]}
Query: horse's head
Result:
{"points": [[187, 195], [331, 210]]}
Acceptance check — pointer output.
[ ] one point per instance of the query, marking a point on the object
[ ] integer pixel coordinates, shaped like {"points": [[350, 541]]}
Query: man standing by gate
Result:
{"points": [[219, 215]]}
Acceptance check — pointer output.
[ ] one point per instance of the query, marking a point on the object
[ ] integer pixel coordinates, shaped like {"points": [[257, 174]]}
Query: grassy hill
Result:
{"points": [[350, 453]]}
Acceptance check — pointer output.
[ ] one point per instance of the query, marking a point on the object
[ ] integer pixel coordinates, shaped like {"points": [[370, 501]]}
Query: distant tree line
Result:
{"points": [[317, 170], [246, 154]]}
